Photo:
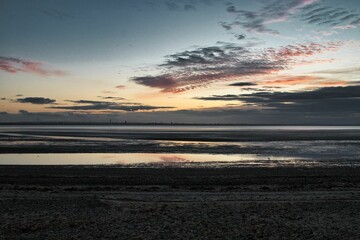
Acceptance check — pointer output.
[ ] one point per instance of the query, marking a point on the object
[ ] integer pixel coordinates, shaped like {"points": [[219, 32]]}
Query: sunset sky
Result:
{"points": [[184, 61]]}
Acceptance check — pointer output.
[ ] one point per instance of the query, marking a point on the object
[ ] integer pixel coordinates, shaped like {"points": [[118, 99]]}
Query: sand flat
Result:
{"points": [[75, 202]]}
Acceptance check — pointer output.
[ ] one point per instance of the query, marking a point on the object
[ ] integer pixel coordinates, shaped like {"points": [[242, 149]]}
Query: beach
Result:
{"points": [[179, 182], [107, 202], [180, 119]]}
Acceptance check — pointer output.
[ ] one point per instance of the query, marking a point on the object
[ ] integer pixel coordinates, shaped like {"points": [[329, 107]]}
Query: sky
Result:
{"points": [[180, 61]]}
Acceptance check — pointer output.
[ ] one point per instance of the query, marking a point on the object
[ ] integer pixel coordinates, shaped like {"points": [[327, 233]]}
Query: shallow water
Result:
{"points": [[171, 159], [211, 146], [181, 128]]}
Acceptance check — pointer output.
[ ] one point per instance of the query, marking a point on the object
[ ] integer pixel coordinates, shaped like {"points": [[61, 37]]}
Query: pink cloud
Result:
{"points": [[203, 66], [291, 80], [302, 50], [16, 65], [308, 80]]}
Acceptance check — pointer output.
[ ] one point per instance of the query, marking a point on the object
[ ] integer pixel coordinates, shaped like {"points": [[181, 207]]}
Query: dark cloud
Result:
{"points": [[16, 65], [320, 113], [120, 86], [325, 105], [206, 55], [90, 105], [331, 16], [329, 101], [226, 26], [240, 36], [85, 101], [243, 84], [196, 68], [349, 92], [274, 11], [329, 105], [36, 100], [111, 98], [160, 81]]}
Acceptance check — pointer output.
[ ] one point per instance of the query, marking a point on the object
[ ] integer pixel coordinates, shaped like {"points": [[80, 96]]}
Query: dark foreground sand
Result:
{"points": [[170, 203]]}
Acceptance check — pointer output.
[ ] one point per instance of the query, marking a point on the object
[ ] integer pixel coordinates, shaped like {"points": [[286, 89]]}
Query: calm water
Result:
{"points": [[172, 128], [211, 146], [164, 159]]}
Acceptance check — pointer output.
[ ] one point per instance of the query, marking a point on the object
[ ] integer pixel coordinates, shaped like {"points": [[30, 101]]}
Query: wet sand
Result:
{"points": [[172, 140], [104, 202]]}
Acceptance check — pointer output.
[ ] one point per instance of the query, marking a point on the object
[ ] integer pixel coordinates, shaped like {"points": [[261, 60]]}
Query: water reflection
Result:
{"points": [[121, 158], [160, 160]]}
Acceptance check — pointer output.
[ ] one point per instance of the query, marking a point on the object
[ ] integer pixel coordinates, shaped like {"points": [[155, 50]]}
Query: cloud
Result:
{"points": [[240, 36], [321, 94], [90, 105], [302, 50], [327, 111], [161, 81], [293, 80], [120, 86], [334, 105], [274, 11], [308, 80], [36, 100], [327, 105], [242, 84], [112, 98], [224, 62], [15, 65], [339, 18]]}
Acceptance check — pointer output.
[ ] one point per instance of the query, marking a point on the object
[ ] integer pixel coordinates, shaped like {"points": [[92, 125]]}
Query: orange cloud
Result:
{"points": [[292, 80], [333, 83], [308, 80]]}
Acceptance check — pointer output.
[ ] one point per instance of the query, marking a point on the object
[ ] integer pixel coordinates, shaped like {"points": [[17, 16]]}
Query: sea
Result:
{"points": [[154, 146]]}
